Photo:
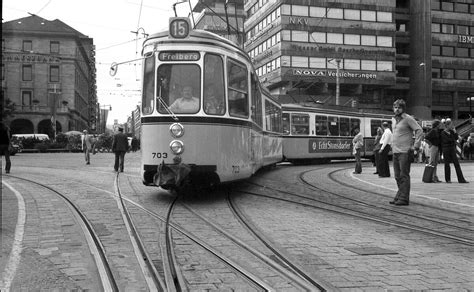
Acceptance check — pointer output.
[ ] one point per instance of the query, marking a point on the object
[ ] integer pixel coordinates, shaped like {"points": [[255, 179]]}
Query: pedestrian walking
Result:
{"points": [[357, 143], [448, 146], [87, 144], [433, 139], [404, 149], [376, 149], [385, 146], [5, 145], [120, 147]]}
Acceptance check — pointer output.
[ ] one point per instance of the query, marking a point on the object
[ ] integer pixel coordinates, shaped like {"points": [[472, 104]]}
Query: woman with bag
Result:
{"points": [[433, 139]]}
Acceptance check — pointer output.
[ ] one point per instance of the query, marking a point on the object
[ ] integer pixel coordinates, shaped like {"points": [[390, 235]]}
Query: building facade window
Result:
{"points": [[27, 46], [27, 73], [436, 50], [53, 73], [335, 13], [335, 38], [435, 27], [26, 97], [462, 52], [368, 65], [462, 74], [351, 14], [447, 51], [447, 74], [447, 28], [54, 47], [436, 73], [317, 12], [368, 15]]}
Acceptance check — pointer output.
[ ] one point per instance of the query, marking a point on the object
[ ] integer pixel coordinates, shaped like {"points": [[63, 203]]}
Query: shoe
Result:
{"points": [[356, 172], [448, 181], [7, 171], [384, 176], [88, 163], [437, 181], [121, 170], [116, 170], [401, 203], [461, 182], [376, 173], [392, 202]]}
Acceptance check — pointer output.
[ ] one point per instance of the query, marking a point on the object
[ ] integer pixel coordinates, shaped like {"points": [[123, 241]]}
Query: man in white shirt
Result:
{"points": [[386, 142], [187, 103]]}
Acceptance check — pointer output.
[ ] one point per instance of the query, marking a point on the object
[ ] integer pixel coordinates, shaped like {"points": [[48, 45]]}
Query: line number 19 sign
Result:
{"points": [[179, 27]]}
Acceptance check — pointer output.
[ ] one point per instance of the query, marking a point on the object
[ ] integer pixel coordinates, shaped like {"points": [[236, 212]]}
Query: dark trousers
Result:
{"points": [[449, 155], [358, 166], [376, 160], [401, 169], [5, 151], [382, 166], [119, 160]]}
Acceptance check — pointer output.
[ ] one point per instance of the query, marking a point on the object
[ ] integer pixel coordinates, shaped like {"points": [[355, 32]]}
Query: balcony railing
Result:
{"points": [[39, 109]]}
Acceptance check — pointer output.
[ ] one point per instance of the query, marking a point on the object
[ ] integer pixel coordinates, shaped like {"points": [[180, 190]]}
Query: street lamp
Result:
{"points": [[470, 98], [338, 65]]}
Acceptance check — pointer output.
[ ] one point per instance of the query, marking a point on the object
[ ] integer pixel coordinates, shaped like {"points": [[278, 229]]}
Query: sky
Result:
{"points": [[110, 23]]}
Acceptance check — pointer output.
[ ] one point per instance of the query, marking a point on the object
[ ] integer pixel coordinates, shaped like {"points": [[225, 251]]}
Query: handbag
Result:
{"points": [[428, 174]]}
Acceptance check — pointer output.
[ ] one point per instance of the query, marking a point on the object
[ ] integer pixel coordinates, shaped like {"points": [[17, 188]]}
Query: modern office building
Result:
{"points": [[366, 53], [48, 72]]}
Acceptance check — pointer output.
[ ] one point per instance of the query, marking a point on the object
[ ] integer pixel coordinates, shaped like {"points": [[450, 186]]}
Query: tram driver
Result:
{"points": [[187, 103]]}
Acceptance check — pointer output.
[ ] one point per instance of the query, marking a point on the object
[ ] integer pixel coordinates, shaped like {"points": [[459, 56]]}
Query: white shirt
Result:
{"points": [[386, 138]]}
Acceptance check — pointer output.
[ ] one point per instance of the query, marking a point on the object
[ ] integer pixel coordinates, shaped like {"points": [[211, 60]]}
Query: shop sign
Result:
{"points": [[29, 58], [466, 39], [331, 73]]}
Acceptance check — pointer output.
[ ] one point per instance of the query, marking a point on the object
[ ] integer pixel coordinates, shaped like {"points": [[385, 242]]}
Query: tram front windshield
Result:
{"points": [[179, 87]]}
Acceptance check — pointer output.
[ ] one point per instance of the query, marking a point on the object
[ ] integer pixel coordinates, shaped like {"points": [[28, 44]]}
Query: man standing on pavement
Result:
{"points": [[119, 147], [5, 145], [404, 150], [385, 141], [87, 146], [434, 141], [358, 143]]}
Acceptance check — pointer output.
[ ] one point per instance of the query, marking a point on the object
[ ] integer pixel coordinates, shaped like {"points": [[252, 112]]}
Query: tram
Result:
{"points": [[317, 135], [205, 117]]}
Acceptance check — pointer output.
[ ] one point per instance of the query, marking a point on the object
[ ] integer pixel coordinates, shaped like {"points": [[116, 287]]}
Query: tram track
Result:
{"points": [[96, 248], [459, 230]]}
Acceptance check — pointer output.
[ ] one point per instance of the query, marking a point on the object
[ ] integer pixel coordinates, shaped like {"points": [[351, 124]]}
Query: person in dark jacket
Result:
{"points": [[119, 147], [377, 148], [434, 141], [5, 144], [448, 146]]}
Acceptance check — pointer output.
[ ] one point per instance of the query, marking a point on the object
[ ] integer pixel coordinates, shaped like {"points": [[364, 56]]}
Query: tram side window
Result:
{"points": [[374, 125], [272, 117], [299, 124], [238, 89], [286, 123], [355, 123], [214, 94], [179, 87], [333, 126], [148, 85], [345, 127], [321, 125]]}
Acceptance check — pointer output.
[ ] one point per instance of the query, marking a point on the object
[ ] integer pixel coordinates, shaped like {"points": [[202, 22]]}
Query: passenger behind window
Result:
{"points": [[187, 103], [213, 104]]}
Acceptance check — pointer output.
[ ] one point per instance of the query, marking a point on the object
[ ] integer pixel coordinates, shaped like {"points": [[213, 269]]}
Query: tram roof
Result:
{"points": [[332, 109]]}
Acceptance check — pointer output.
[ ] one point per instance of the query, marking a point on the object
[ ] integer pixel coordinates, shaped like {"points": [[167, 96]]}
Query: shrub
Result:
{"points": [[42, 147]]}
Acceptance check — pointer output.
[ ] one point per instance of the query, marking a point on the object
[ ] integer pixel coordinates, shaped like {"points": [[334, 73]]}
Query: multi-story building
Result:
{"points": [[366, 53], [133, 124], [48, 72]]}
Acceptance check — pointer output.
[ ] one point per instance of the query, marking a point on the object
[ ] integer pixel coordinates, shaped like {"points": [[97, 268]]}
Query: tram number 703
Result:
{"points": [[159, 155]]}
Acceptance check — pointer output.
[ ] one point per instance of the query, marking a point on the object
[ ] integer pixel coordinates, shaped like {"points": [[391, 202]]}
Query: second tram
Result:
{"points": [[312, 134]]}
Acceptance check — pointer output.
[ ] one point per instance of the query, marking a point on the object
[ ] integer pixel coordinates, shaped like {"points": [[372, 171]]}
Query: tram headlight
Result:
{"points": [[177, 130], [177, 147]]}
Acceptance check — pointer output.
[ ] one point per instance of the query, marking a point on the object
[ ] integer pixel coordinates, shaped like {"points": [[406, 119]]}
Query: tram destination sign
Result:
{"points": [[178, 56], [329, 145]]}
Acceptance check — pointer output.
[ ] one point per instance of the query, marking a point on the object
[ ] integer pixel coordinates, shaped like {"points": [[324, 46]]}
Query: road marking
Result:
{"points": [[15, 255]]}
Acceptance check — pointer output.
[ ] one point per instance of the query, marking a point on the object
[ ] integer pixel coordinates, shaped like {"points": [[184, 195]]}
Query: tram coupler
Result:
{"points": [[171, 176]]}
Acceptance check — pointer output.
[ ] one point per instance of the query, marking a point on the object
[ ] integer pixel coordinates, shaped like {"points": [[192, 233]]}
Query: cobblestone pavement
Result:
{"points": [[322, 242]]}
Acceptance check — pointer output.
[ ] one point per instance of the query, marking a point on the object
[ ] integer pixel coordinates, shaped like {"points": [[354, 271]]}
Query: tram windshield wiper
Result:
{"points": [[165, 106]]}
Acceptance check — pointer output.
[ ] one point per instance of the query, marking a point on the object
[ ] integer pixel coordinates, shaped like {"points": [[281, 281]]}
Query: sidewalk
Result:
{"points": [[454, 196]]}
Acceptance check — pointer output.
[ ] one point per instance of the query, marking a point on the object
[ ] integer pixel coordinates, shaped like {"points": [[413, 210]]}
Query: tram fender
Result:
{"points": [[171, 175]]}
